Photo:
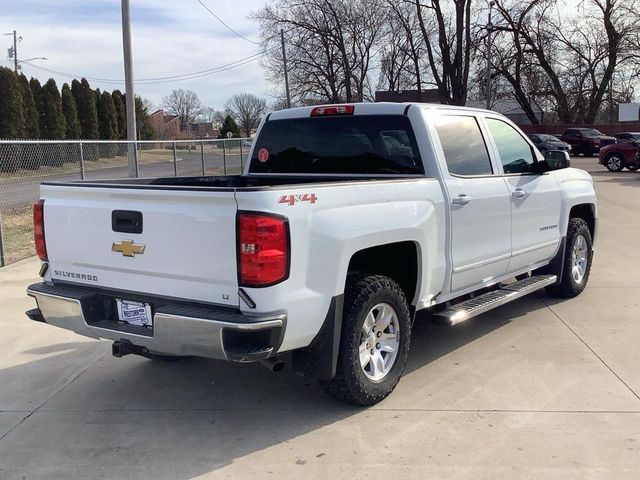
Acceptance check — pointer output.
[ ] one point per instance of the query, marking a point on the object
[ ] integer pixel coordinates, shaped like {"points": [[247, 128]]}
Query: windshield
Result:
{"points": [[362, 144], [591, 132], [548, 138]]}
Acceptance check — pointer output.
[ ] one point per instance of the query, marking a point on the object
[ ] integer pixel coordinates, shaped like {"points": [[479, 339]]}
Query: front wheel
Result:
{"points": [[374, 343], [577, 260], [614, 163], [633, 167]]}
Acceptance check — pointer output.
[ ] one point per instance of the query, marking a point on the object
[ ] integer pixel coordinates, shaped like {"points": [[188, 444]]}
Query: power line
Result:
{"points": [[227, 26], [166, 79]]}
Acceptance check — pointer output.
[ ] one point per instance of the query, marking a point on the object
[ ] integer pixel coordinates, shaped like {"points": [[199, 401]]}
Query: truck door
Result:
{"points": [[535, 199], [479, 204]]}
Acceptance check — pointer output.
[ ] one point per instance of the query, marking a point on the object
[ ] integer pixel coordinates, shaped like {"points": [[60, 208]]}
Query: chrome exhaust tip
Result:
{"points": [[274, 364]]}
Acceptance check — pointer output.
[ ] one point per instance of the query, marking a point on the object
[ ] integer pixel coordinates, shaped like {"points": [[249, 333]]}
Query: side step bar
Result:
{"points": [[490, 300]]}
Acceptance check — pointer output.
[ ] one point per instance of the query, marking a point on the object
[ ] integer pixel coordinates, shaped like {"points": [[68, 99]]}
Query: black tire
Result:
{"points": [[633, 167], [614, 162], [568, 286], [587, 151], [351, 384]]}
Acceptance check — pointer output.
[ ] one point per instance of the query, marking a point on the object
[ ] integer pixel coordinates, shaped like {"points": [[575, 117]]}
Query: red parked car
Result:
{"points": [[620, 155]]}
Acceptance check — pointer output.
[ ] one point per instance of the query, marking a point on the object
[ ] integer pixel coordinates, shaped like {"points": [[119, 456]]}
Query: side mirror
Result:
{"points": [[557, 159]]}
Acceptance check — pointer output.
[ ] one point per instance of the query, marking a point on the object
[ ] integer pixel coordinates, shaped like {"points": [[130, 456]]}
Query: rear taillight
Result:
{"points": [[263, 249], [327, 110], [38, 230]]}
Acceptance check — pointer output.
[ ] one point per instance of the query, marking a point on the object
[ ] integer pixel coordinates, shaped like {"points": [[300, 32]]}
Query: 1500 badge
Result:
{"points": [[293, 199]]}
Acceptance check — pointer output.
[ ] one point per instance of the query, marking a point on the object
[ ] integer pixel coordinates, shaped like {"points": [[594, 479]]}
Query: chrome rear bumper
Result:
{"points": [[178, 328]]}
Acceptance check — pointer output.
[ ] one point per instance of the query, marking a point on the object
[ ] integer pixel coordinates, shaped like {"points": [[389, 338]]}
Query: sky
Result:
{"points": [[84, 38]]}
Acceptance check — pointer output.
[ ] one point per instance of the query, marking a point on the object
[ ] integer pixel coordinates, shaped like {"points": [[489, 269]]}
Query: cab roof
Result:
{"points": [[379, 108]]}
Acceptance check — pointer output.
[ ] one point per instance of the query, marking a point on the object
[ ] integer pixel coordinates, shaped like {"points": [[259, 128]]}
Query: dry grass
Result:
{"points": [[17, 229]]}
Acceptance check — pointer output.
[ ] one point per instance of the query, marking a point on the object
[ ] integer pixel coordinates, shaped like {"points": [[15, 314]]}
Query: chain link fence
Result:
{"points": [[25, 164]]}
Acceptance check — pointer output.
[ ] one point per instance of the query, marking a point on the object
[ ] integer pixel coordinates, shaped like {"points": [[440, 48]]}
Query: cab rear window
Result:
{"points": [[362, 144]]}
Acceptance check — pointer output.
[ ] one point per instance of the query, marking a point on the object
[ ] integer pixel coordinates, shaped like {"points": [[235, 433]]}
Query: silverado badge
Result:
{"points": [[127, 248]]}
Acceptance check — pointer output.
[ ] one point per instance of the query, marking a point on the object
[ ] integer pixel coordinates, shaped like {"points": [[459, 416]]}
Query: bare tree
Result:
{"points": [[402, 60], [211, 115], [329, 43], [185, 104], [566, 61], [247, 110], [449, 35]]}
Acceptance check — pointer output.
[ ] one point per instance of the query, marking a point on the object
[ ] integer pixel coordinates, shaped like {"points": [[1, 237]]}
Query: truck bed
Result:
{"points": [[231, 182]]}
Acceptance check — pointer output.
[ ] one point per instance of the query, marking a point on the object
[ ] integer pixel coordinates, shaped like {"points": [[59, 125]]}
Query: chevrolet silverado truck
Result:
{"points": [[347, 220], [586, 140]]}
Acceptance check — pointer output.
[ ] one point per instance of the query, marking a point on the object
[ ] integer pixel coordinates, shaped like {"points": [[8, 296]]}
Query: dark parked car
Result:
{"points": [[546, 142], [620, 155], [627, 137], [586, 140]]}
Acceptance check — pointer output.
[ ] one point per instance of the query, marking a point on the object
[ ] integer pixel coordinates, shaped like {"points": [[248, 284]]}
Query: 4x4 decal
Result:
{"points": [[293, 199]]}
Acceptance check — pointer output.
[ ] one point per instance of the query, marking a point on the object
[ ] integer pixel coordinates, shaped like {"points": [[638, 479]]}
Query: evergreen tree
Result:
{"points": [[143, 124], [107, 118], [31, 120], [52, 125], [70, 112], [36, 91], [11, 118], [229, 125], [87, 113], [121, 113], [11, 111]]}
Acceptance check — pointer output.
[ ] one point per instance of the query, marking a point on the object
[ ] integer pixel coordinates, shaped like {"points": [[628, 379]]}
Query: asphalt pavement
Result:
{"points": [[540, 388]]}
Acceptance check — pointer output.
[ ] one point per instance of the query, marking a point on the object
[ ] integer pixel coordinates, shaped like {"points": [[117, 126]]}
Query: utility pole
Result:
{"points": [[129, 93], [286, 73], [488, 74], [15, 52]]}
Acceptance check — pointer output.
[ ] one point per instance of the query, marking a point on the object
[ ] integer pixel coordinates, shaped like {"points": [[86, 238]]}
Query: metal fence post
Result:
{"points": [[202, 154], [240, 155], [135, 158], [224, 156], [1, 243], [175, 161], [81, 161]]}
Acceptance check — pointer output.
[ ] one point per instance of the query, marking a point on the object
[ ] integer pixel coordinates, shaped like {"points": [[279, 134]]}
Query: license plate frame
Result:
{"points": [[134, 313]]}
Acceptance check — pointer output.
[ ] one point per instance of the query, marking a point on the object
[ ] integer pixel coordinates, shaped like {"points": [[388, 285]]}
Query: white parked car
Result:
{"points": [[347, 221]]}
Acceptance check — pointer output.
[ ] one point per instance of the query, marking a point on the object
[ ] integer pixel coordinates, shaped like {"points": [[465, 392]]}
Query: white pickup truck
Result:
{"points": [[347, 221]]}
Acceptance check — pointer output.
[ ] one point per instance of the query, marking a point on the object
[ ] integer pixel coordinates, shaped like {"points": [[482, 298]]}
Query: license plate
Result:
{"points": [[134, 313]]}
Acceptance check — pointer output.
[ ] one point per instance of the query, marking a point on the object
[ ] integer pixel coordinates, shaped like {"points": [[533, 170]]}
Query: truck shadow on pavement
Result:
{"points": [[134, 418]]}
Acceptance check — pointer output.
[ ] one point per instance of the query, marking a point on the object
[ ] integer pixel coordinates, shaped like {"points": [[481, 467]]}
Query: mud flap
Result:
{"points": [[320, 359]]}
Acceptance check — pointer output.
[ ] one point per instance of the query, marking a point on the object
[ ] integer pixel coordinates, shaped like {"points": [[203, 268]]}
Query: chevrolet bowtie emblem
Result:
{"points": [[127, 248]]}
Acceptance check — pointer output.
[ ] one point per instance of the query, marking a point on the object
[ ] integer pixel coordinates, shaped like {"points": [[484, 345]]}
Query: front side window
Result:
{"points": [[464, 149], [515, 153]]}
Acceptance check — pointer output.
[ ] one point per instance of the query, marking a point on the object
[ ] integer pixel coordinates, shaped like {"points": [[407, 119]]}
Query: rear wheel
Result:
{"points": [[577, 260], [614, 162], [374, 342]]}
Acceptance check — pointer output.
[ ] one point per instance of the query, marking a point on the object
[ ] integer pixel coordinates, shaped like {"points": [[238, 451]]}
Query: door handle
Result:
{"points": [[519, 194], [461, 199]]}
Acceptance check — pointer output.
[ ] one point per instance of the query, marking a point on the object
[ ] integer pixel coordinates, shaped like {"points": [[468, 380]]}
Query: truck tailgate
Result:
{"points": [[187, 248]]}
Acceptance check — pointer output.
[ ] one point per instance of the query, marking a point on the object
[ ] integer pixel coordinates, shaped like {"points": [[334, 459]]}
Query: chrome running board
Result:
{"points": [[483, 303]]}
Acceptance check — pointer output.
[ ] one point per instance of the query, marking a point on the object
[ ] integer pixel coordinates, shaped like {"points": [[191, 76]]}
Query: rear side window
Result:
{"points": [[516, 154], [463, 145], [361, 144]]}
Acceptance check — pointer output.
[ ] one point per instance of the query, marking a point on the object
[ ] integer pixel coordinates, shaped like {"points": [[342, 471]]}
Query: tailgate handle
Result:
{"points": [[126, 221]]}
